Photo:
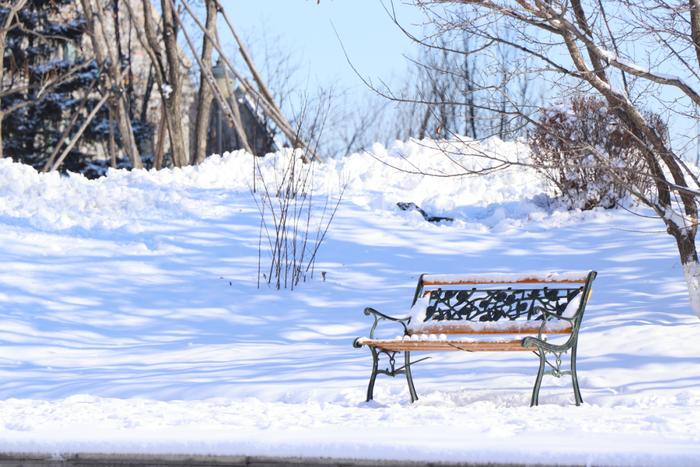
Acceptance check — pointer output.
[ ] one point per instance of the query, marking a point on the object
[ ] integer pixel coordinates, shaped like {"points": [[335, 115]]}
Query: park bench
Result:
{"points": [[487, 312]]}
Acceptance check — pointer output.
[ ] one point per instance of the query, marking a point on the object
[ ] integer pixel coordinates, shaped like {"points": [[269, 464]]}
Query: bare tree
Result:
{"points": [[350, 123], [624, 51], [259, 91], [205, 95], [441, 93], [171, 89], [159, 40], [106, 52], [361, 124], [7, 23], [126, 79]]}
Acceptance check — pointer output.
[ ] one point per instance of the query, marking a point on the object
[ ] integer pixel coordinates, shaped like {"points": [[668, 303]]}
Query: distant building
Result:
{"points": [[222, 137]]}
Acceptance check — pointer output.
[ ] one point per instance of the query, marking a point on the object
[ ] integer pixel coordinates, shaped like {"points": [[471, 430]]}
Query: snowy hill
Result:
{"points": [[132, 322]]}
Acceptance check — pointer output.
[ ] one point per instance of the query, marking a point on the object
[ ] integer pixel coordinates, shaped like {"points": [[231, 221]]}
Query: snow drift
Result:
{"points": [[132, 321]]}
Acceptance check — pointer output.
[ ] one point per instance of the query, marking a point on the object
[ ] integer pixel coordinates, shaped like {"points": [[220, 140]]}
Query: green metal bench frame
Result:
{"points": [[488, 304]]}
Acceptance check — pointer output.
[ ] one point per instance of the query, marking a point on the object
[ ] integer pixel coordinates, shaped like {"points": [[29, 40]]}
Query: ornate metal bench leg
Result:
{"points": [[538, 381], [409, 377], [373, 377], [574, 377]]}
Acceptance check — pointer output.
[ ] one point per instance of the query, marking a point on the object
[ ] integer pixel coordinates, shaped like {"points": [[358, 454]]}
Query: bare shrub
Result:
{"points": [[588, 154], [293, 223]]}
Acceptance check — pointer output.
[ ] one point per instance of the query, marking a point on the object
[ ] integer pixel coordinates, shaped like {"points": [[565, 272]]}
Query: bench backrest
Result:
{"points": [[498, 303]]}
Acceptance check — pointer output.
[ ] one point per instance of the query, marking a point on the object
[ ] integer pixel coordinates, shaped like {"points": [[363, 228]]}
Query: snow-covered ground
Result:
{"points": [[131, 321]]}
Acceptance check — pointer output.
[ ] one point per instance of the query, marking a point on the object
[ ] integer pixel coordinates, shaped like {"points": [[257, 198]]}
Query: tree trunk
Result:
{"points": [[127, 133], [112, 140], [205, 97], [1, 148], [105, 53], [695, 26], [685, 241], [3, 35], [173, 94], [4, 28], [151, 44], [691, 271]]}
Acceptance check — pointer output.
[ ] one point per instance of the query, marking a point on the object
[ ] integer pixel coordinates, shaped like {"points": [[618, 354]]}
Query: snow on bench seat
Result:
{"points": [[491, 327], [468, 345]]}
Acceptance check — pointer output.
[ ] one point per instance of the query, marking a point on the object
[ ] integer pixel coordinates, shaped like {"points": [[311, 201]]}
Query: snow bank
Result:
{"points": [[131, 320], [491, 431], [375, 172], [125, 199]]}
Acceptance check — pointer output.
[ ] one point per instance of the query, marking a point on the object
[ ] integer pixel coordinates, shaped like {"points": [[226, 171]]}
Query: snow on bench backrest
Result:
{"points": [[507, 278], [514, 301]]}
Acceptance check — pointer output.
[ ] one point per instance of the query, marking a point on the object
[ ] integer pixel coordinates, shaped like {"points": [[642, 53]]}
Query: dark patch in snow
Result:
{"points": [[426, 216]]}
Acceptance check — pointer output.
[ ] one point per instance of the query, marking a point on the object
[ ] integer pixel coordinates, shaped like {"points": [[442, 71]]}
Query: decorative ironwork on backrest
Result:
{"points": [[497, 304]]}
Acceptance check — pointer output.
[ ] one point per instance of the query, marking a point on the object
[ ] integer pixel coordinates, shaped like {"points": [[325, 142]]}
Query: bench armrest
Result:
{"points": [[541, 343], [372, 311], [540, 340], [548, 314], [379, 316]]}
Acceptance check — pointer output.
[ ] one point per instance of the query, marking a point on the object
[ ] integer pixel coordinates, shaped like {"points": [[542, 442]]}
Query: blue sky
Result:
{"points": [[305, 29]]}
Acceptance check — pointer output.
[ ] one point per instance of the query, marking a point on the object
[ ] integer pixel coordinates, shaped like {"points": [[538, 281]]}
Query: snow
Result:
{"points": [[131, 321], [691, 271], [506, 278], [485, 327], [166, 89], [675, 218], [645, 71], [418, 310], [418, 323], [458, 338], [572, 307]]}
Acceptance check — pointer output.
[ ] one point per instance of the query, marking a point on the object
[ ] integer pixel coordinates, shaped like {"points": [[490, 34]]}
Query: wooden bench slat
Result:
{"points": [[394, 345], [571, 277], [527, 280], [475, 328]]}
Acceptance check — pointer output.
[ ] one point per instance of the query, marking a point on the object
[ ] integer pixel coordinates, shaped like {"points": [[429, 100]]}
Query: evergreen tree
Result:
{"points": [[54, 83]]}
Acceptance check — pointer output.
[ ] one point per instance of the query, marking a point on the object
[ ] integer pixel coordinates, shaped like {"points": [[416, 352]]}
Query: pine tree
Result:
{"points": [[55, 83]]}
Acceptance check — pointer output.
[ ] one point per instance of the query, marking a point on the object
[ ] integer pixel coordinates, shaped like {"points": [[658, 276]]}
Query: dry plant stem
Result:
{"points": [[294, 238], [262, 220], [322, 237], [267, 200]]}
